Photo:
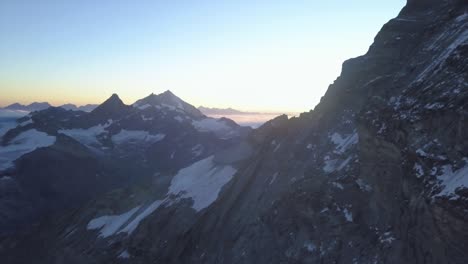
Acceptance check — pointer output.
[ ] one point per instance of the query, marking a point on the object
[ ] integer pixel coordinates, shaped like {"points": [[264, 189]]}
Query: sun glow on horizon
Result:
{"points": [[262, 56]]}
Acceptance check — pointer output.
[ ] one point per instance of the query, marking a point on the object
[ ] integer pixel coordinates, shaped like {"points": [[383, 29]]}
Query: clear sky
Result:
{"points": [[262, 55]]}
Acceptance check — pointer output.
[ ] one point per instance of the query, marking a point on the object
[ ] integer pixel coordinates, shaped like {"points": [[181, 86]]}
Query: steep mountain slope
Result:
{"points": [[56, 159], [376, 173]]}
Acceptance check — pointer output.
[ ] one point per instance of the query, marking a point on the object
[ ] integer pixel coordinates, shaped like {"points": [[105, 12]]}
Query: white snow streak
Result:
{"points": [[133, 136]]}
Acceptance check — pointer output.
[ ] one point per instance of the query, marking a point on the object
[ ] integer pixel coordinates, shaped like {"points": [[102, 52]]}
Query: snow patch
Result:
{"points": [[197, 150], [453, 180], [27, 122], [202, 182], [137, 218], [24, 143], [146, 118], [348, 215], [338, 185], [363, 185], [343, 143], [330, 166], [143, 107], [110, 224], [273, 178], [218, 126], [179, 118], [310, 246], [87, 136], [460, 39], [418, 169], [133, 136], [462, 17], [386, 238], [124, 255], [333, 165]]}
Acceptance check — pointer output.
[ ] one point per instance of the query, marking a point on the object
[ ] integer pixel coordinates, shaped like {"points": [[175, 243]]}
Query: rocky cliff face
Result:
{"points": [[376, 173]]}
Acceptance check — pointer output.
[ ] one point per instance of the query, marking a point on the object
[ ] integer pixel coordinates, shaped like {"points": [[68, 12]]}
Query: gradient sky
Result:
{"points": [[247, 54]]}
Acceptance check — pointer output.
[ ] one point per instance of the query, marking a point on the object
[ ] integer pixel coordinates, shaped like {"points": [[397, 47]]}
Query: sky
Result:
{"points": [[254, 55]]}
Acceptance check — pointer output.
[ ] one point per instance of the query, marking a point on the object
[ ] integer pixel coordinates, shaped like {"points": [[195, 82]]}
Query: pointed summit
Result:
{"points": [[168, 100], [111, 108], [113, 103]]}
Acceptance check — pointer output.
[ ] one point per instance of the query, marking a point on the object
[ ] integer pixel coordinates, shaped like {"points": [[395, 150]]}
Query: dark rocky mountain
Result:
{"points": [[376, 173]]}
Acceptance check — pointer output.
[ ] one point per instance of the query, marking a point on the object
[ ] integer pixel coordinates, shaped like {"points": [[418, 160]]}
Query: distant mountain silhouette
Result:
{"points": [[224, 111], [30, 108], [38, 106]]}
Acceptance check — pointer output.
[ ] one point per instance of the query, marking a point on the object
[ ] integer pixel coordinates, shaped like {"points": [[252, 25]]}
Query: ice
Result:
{"points": [[24, 143]]}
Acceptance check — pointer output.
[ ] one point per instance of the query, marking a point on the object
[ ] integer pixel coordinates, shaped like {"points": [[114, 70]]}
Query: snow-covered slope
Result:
{"points": [[24, 143]]}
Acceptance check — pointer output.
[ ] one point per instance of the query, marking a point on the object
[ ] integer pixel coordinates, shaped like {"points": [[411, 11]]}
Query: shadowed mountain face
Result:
{"points": [[56, 159], [376, 173]]}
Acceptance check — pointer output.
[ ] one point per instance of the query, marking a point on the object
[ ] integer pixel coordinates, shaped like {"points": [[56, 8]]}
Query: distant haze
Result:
{"points": [[252, 55]]}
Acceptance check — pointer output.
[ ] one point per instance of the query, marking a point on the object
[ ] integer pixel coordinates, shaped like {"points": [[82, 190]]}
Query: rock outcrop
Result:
{"points": [[376, 173]]}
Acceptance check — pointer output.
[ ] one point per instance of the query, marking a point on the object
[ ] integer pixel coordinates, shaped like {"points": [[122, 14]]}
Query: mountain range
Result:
{"points": [[44, 105], [224, 111], [377, 172], [38, 106]]}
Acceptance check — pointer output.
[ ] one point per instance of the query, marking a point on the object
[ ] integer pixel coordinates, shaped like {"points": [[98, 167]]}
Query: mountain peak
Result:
{"points": [[114, 96], [112, 106], [36, 106], [167, 100], [168, 92]]}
